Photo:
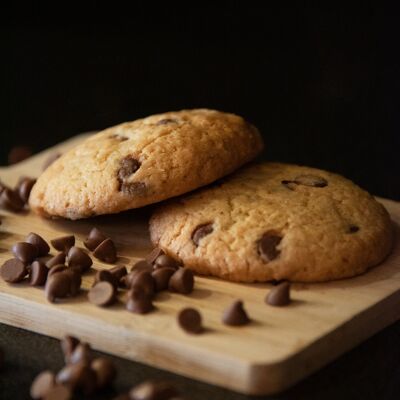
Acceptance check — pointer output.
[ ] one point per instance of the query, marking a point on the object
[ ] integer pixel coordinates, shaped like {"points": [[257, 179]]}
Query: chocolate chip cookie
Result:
{"points": [[144, 161], [274, 221]]}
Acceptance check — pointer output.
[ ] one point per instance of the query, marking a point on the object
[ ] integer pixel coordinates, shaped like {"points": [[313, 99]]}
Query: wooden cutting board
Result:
{"points": [[280, 347]]}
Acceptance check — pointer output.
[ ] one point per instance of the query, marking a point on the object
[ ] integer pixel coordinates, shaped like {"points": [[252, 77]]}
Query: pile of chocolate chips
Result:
{"points": [[16, 199], [87, 375]]}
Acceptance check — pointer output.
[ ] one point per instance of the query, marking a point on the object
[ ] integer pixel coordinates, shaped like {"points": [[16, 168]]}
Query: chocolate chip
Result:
{"points": [[118, 272], [58, 392], [141, 265], [38, 273], [13, 270], [279, 295], [152, 256], [9, 200], [151, 390], [129, 166], [102, 294], [63, 243], [145, 281], [106, 251], [107, 276], [57, 286], [56, 260], [118, 137], [94, 238], [235, 314], [56, 269], [68, 344], [42, 246], [42, 384], [76, 280], [166, 121], [165, 261], [78, 258], [267, 246], [161, 277], [182, 281], [26, 252], [189, 320], [200, 232], [289, 185], [133, 188], [81, 353], [311, 180], [24, 188], [53, 157], [18, 154], [138, 301], [78, 376], [353, 229], [105, 371]]}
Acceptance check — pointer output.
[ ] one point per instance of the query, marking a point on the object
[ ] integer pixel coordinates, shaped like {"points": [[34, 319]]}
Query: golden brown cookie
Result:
{"points": [[144, 161], [275, 221]]}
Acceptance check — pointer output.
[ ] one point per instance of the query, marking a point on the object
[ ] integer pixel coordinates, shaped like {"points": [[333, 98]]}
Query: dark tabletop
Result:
{"points": [[370, 371]]}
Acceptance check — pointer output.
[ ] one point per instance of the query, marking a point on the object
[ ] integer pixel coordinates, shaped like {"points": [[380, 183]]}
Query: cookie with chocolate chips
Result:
{"points": [[275, 221], [143, 162]]}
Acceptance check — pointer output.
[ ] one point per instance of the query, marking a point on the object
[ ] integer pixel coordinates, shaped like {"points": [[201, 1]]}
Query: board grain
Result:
{"points": [[280, 346]]}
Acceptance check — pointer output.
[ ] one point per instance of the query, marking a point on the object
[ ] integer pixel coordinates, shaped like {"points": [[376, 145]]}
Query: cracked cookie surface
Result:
{"points": [[275, 221], [145, 161]]}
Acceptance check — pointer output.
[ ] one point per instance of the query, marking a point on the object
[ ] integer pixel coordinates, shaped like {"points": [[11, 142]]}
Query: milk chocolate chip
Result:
{"points": [[39, 242], [56, 260], [161, 277], [105, 371], [57, 286], [63, 243], [94, 238], [182, 281], [200, 232], [152, 256], [38, 273], [165, 260], [26, 252], [10, 200], [235, 315], [78, 376], [78, 258], [24, 188], [267, 246], [13, 270], [129, 166], [138, 301], [189, 320], [106, 251], [102, 294], [68, 344], [279, 295], [353, 229]]}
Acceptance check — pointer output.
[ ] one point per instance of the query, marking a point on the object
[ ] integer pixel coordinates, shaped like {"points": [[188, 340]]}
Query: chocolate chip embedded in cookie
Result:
{"points": [[143, 162], [275, 222]]}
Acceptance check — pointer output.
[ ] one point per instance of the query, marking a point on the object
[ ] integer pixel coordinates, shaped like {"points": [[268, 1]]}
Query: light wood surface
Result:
{"points": [[280, 347]]}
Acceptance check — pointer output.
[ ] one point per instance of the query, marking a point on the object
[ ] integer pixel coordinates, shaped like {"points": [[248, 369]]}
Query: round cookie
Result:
{"points": [[144, 161], [275, 221]]}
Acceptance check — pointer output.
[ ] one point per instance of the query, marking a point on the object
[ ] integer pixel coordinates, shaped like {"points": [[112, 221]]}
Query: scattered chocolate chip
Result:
{"points": [[53, 157], [58, 392], [56, 269], [68, 344], [18, 154], [106, 251], [151, 390], [145, 281], [26, 252], [353, 229], [235, 314], [102, 294], [9, 200], [182, 281], [133, 188], [24, 188], [105, 371], [42, 246], [56, 260], [129, 166], [138, 301], [78, 376], [151, 257], [57, 286], [42, 384], [78, 258], [63, 243], [200, 232], [279, 295], [141, 265], [107, 276], [76, 280], [164, 260], [94, 238], [118, 272], [311, 180], [161, 277], [38, 273], [166, 121], [267, 246], [189, 320], [81, 353], [13, 270]]}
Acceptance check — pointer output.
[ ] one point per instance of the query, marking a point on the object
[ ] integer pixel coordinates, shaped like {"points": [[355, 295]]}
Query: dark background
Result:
{"points": [[321, 83]]}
